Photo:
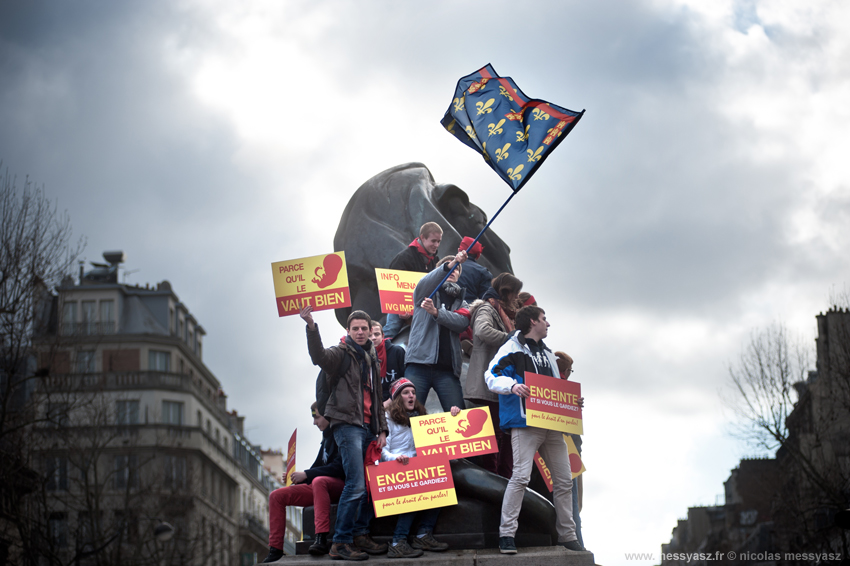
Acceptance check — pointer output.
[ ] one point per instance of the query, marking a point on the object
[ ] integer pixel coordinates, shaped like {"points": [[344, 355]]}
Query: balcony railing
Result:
{"points": [[87, 328], [117, 381], [252, 524]]}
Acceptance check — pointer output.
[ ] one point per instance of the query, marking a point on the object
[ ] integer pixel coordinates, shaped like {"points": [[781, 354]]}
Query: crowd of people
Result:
{"points": [[375, 386]]}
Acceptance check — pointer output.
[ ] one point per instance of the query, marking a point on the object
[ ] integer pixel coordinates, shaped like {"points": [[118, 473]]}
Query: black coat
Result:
{"points": [[475, 278], [410, 259], [395, 367], [328, 461]]}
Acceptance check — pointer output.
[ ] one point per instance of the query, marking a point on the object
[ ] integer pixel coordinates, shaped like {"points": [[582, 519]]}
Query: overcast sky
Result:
{"points": [[704, 193]]}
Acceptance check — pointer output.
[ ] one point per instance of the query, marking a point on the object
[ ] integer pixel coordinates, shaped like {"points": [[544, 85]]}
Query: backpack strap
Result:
{"points": [[333, 380]]}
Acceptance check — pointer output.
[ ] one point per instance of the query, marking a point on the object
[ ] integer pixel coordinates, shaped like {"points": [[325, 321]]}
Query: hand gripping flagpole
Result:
{"points": [[481, 233]]}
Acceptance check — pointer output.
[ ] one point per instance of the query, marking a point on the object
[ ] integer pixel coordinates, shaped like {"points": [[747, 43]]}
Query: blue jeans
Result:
{"points": [[444, 382], [576, 518], [352, 513], [392, 326], [428, 519]]}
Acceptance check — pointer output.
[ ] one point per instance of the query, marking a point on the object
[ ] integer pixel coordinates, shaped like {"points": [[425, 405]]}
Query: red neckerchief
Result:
{"points": [[381, 352], [415, 244]]}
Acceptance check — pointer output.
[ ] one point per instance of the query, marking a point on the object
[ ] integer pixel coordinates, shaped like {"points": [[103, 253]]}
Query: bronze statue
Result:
{"points": [[384, 216], [381, 219]]}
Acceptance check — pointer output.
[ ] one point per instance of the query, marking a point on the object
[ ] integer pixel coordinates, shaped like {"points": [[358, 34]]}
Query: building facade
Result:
{"points": [[136, 433]]}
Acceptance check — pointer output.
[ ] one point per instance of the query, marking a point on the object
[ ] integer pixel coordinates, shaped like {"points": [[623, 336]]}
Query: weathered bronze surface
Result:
{"points": [[384, 216]]}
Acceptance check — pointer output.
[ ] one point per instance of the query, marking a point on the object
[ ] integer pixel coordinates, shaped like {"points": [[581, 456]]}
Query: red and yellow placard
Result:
{"points": [[470, 433], [395, 289], [553, 403], [320, 281], [576, 465], [290, 458], [425, 482], [544, 471]]}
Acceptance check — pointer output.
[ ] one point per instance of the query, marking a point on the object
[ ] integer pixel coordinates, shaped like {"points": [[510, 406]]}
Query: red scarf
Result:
{"points": [[381, 351], [415, 244]]}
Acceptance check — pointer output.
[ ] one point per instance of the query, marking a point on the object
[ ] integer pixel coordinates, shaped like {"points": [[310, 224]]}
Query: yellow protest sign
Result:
{"points": [[470, 433], [395, 289], [576, 465], [320, 281]]}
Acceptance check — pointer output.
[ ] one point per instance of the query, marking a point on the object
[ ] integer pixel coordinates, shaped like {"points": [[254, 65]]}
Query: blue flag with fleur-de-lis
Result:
{"points": [[513, 132]]}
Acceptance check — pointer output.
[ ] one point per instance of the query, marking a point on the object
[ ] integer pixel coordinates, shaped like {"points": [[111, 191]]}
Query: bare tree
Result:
{"points": [[36, 252], [782, 405], [763, 381]]}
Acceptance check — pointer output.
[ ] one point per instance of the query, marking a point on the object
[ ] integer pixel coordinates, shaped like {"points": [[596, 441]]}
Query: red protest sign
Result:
{"points": [[425, 482], [544, 471], [553, 403], [290, 457]]}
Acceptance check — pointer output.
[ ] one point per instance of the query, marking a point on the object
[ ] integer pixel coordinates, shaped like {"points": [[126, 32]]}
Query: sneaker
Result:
{"points": [[506, 545], [275, 554], [572, 545], [320, 546], [403, 550], [428, 542], [366, 544], [345, 551]]}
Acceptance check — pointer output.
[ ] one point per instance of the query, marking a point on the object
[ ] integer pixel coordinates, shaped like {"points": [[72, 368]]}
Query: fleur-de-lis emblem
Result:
{"points": [[514, 116], [539, 114], [520, 136], [534, 155], [503, 152], [495, 128], [451, 127], [459, 104], [513, 174], [484, 107], [484, 152], [470, 132], [504, 92], [475, 87]]}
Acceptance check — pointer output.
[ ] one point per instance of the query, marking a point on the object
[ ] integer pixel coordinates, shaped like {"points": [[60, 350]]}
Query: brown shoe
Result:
{"points": [[341, 551], [366, 544], [428, 542]]}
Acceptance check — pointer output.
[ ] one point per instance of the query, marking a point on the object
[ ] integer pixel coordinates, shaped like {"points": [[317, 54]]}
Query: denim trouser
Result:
{"points": [[576, 518], [444, 382], [427, 520], [392, 326], [352, 514]]}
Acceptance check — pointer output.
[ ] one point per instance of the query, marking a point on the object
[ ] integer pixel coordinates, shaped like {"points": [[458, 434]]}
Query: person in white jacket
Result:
{"points": [[400, 447]]}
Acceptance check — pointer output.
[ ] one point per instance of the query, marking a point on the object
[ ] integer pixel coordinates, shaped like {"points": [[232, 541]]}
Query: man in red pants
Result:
{"points": [[319, 486]]}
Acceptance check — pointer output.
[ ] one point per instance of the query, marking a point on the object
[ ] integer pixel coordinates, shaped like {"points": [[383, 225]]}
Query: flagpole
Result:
{"points": [[481, 233]]}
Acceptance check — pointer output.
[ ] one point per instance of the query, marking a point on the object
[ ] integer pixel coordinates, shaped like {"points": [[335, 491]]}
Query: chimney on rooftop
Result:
{"points": [[114, 257]]}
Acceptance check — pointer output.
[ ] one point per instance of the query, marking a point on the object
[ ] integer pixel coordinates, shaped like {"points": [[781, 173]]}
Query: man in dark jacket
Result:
{"points": [[525, 351], [319, 486], [419, 256], [475, 278], [354, 410], [390, 360]]}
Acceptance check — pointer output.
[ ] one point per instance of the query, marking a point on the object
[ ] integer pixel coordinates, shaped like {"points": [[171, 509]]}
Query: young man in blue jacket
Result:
{"points": [[525, 351]]}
